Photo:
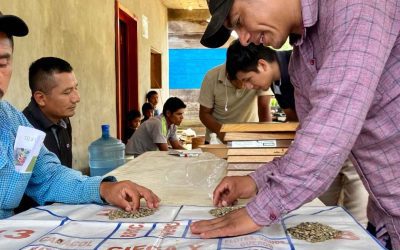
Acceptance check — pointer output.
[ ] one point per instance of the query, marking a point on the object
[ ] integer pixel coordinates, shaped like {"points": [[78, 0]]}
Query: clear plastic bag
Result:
{"points": [[204, 174]]}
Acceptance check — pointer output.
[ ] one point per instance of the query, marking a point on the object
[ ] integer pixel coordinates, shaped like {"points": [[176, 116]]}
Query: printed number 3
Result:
{"points": [[19, 234]]}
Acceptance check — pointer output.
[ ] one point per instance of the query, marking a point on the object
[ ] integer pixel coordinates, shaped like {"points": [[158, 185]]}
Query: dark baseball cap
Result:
{"points": [[13, 25], [216, 33]]}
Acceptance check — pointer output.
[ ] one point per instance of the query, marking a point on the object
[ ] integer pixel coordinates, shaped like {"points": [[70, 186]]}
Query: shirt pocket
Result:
{"points": [[12, 186]]}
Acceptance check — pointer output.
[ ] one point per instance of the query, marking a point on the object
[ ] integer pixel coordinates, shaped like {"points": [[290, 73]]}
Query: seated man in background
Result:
{"points": [[48, 180], [155, 133], [257, 66], [152, 98], [133, 120], [147, 111], [54, 98], [224, 101]]}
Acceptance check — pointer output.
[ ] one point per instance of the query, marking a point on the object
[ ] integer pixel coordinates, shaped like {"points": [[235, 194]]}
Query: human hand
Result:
{"points": [[127, 195], [234, 223], [232, 188]]}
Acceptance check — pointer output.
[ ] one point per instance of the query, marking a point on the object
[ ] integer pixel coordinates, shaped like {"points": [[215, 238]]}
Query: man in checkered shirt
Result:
{"points": [[345, 69]]}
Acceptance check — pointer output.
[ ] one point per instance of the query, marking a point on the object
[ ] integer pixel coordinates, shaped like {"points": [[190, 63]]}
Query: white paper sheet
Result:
{"points": [[26, 148]]}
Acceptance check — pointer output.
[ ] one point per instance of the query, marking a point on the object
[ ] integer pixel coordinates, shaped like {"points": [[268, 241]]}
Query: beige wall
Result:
{"points": [[83, 33], [157, 16]]}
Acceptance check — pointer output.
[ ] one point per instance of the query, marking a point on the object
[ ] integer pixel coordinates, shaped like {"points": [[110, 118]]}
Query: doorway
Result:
{"points": [[126, 48]]}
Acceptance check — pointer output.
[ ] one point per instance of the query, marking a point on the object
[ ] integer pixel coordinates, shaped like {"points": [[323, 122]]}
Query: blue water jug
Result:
{"points": [[106, 153]]}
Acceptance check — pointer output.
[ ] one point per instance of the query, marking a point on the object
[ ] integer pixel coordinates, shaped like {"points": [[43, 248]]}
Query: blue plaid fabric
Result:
{"points": [[49, 180]]}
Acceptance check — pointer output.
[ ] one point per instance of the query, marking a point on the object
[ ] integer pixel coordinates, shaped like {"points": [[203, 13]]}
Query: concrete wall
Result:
{"points": [[190, 97], [83, 33], [157, 15]]}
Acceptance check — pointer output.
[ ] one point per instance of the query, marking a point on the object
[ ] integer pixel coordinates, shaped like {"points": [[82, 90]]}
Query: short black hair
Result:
{"points": [[146, 106], [172, 105], [245, 58], [41, 71], [133, 114], [150, 94]]}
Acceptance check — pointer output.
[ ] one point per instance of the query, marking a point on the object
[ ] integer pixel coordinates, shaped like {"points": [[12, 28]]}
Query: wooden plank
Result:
{"points": [[260, 144], [259, 127], [238, 136], [244, 166], [219, 150], [250, 159], [257, 151]]}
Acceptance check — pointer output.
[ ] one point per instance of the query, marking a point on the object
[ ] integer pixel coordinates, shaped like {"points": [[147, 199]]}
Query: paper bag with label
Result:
{"points": [[26, 148]]}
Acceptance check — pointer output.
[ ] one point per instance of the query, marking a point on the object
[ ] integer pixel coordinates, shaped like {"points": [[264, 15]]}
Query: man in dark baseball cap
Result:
{"points": [[216, 33], [9, 26], [13, 25], [46, 180]]}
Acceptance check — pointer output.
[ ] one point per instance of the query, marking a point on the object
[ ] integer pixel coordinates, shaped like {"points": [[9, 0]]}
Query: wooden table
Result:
{"points": [[176, 180]]}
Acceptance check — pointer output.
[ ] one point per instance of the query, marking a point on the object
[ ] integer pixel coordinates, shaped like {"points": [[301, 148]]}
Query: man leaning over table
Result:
{"points": [[49, 181], [224, 101], [257, 66], [345, 68]]}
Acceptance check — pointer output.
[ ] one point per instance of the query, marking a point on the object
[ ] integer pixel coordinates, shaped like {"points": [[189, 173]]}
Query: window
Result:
{"points": [[155, 67]]}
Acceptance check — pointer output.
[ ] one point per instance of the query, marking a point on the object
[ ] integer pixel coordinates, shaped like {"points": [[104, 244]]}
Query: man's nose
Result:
{"points": [[244, 36], [76, 97], [248, 85]]}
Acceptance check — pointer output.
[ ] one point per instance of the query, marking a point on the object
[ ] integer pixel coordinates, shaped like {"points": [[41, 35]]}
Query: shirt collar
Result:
{"points": [[62, 123], [222, 78], [309, 13], [45, 122], [164, 123]]}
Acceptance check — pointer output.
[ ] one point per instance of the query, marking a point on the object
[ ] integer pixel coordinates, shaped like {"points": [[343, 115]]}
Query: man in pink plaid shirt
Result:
{"points": [[345, 68]]}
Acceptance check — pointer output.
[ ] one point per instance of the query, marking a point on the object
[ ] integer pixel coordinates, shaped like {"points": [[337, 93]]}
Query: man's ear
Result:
{"points": [[262, 64], [168, 113], [40, 98]]}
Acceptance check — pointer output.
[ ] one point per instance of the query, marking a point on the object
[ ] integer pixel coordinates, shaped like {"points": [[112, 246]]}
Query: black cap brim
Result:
{"points": [[218, 39], [13, 25], [216, 34]]}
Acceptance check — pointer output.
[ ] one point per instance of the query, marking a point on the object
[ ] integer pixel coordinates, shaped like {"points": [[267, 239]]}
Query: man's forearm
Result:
{"points": [[162, 146], [264, 115], [211, 123], [291, 115], [264, 110], [176, 144]]}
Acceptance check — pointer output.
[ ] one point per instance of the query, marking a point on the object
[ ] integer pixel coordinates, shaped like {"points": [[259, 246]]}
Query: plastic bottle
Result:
{"points": [[214, 139], [106, 153]]}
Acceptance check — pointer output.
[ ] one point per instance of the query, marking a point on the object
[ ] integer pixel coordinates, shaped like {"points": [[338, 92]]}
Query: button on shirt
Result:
{"points": [[49, 180], [348, 101]]}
